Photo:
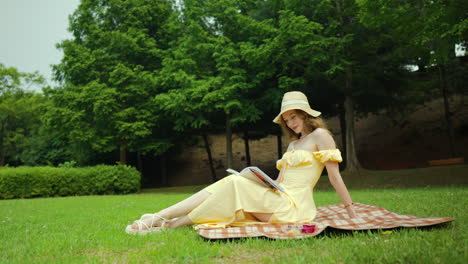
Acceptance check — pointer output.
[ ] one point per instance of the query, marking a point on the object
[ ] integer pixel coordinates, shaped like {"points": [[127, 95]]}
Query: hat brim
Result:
{"points": [[308, 110]]}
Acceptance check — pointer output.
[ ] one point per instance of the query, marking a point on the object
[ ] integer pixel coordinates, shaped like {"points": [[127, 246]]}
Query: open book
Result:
{"points": [[257, 175]]}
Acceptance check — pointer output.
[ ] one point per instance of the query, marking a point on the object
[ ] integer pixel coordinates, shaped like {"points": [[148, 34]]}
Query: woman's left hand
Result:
{"points": [[351, 212]]}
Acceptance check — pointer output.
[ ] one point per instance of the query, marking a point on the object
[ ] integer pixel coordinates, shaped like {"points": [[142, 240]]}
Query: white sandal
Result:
{"points": [[144, 229]]}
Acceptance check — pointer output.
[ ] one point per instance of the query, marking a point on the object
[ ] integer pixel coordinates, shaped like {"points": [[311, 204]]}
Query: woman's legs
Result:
{"points": [[263, 217], [181, 208], [185, 206], [179, 222]]}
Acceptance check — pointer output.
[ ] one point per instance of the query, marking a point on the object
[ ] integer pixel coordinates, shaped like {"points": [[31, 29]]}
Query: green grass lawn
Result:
{"points": [[90, 229]]}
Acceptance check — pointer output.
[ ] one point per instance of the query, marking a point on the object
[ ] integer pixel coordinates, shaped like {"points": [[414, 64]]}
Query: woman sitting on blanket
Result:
{"points": [[236, 200]]}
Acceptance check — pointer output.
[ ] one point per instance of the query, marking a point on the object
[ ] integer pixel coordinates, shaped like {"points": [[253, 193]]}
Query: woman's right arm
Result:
{"points": [[340, 187], [325, 142]]}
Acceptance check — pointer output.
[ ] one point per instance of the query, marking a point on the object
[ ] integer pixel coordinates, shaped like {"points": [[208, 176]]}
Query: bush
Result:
{"points": [[27, 182]]}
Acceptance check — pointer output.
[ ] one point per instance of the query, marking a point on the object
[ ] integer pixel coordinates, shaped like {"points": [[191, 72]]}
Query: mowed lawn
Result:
{"points": [[90, 229]]}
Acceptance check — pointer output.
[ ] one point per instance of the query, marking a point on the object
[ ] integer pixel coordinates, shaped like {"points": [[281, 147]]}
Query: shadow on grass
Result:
{"points": [[331, 232]]}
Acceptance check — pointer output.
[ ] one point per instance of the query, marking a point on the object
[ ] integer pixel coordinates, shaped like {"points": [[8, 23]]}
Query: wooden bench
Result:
{"points": [[443, 162]]}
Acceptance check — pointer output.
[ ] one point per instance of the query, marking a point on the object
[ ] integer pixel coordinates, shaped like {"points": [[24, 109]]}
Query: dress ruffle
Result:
{"points": [[296, 158], [328, 155]]}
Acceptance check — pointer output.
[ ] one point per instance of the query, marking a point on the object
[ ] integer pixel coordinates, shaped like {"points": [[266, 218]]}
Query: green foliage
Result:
{"points": [[20, 112], [49, 147], [28, 182], [422, 33], [67, 164], [109, 72], [141, 74], [432, 28], [11, 80]]}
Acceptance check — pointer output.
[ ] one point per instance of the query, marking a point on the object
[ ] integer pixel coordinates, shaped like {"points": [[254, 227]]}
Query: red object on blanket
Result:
{"points": [[308, 229]]}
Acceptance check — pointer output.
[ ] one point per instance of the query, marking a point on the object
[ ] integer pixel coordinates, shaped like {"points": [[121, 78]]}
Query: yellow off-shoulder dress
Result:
{"points": [[234, 197]]}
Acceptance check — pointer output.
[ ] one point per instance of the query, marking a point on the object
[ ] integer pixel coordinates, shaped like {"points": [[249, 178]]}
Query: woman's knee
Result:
{"points": [[263, 217], [230, 177]]}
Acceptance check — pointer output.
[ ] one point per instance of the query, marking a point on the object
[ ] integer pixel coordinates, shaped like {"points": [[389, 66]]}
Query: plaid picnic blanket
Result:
{"points": [[335, 216]]}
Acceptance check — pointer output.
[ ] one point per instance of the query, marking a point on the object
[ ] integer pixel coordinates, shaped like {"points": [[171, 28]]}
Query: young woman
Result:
{"points": [[237, 199]]}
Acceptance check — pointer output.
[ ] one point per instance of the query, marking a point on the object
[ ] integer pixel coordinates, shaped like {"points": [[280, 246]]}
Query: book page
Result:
{"points": [[265, 178]]}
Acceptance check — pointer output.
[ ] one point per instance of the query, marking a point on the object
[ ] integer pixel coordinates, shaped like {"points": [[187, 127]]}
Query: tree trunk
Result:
{"points": [[228, 141], [352, 162], [351, 154], [247, 148], [210, 158], [123, 152], [448, 115], [279, 141], [139, 163]]}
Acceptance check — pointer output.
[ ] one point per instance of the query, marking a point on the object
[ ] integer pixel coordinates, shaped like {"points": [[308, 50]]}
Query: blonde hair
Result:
{"points": [[311, 123]]}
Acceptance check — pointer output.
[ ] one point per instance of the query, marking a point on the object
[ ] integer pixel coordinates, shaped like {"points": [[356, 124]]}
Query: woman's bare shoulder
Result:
{"points": [[321, 133], [323, 139], [291, 145]]}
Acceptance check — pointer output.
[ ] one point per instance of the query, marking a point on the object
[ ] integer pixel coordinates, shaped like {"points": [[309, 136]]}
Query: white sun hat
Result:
{"points": [[295, 101]]}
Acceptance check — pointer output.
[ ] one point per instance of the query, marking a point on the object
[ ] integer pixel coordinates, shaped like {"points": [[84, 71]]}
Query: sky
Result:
{"points": [[29, 31]]}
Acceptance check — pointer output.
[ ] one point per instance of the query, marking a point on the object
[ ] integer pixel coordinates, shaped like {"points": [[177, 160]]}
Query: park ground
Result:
{"points": [[90, 229]]}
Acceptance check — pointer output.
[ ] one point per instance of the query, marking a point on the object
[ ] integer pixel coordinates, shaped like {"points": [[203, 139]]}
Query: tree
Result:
{"points": [[19, 115], [431, 30], [189, 73], [221, 84], [109, 74], [359, 70]]}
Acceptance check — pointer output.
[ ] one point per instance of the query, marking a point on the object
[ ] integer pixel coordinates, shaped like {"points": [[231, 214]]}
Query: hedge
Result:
{"points": [[28, 182]]}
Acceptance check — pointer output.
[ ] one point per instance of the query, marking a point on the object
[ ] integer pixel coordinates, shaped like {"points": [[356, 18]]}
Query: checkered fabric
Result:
{"points": [[335, 216]]}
